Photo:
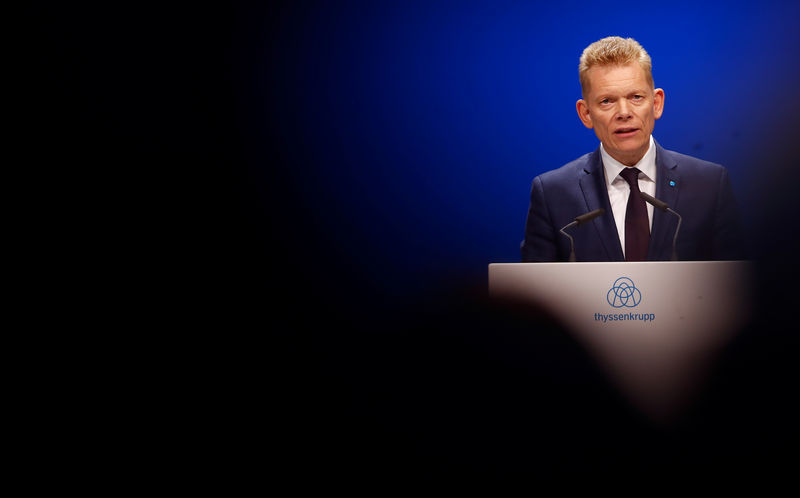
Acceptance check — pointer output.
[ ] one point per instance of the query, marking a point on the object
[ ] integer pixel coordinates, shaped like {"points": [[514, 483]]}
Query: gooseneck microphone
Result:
{"points": [[580, 220], [664, 207]]}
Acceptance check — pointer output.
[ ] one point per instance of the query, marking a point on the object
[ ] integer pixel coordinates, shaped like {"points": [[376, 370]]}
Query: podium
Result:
{"points": [[653, 326]]}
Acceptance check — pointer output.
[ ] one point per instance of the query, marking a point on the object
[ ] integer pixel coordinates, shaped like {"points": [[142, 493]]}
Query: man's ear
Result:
{"points": [[583, 113], [658, 102]]}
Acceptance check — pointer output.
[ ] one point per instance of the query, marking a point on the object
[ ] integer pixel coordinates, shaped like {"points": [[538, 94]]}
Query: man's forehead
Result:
{"points": [[617, 76]]}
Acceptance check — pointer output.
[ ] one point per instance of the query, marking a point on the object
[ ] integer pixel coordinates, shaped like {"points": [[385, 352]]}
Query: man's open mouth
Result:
{"points": [[625, 130]]}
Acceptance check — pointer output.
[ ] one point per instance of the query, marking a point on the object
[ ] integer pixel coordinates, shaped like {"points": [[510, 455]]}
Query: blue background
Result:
{"points": [[408, 133]]}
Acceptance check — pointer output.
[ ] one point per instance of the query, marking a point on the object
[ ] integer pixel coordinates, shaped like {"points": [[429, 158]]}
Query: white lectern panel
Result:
{"points": [[654, 325]]}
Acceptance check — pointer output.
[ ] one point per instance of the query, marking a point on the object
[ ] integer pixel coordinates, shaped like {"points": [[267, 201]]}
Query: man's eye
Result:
{"points": [[605, 101], [638, 97]]}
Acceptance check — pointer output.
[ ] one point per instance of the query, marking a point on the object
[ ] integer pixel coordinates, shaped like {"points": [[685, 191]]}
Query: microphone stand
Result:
{"points": [[579, 221], [571, 241], [663, 206]]}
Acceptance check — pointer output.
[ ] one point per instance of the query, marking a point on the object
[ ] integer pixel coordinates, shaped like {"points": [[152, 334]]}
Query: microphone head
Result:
{"points": [[589, 216], [663, 206]]}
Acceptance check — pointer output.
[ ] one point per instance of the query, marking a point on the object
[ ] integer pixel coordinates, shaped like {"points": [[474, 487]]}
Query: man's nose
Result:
{"points": [[623, 110]]}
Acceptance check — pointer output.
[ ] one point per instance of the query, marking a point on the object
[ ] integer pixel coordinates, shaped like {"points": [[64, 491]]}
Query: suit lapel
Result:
{"points": [[667, 187], [593, 186]]}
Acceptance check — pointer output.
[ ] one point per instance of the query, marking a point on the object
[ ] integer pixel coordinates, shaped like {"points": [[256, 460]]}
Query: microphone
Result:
{"points": [[664, 207], [580, 220]]}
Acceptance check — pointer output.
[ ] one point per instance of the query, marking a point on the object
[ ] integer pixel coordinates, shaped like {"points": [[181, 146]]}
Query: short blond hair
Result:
{"points": [[610, 51]]}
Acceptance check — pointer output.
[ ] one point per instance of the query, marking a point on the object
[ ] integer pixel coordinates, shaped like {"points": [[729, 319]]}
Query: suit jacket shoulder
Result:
{"points": [[573, 170], [557, 197], [701, 192], [672, 158]]}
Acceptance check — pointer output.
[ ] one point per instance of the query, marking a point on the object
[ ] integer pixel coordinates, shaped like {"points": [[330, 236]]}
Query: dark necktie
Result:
{"points": [[637, 226]]}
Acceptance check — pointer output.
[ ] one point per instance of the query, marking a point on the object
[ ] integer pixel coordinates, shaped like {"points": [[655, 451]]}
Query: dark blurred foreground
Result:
{"points": [[254, 350]]}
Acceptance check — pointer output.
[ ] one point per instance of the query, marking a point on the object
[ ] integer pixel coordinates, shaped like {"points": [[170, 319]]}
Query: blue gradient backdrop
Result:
{"points": [[408, 132]]}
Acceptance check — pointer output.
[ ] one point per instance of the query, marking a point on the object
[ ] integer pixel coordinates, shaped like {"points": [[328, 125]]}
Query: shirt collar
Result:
{"points": [[647, 164]]}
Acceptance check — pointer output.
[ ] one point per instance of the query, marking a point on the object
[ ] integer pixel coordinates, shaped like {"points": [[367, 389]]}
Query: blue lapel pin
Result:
{"points": [[672, 183]]}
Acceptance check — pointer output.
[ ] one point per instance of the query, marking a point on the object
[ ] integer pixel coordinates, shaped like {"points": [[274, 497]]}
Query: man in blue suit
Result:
{"points": [[620, 103]]}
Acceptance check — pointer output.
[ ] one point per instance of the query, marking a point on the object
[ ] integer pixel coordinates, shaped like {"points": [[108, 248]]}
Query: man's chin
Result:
{"points": [[627, 155]]}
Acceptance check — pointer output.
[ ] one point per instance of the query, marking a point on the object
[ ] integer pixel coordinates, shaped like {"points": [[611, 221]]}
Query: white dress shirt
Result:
{"points": [[619, 190]]}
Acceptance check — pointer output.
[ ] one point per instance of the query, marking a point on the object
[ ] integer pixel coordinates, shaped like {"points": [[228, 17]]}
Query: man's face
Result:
{"points": [[622, 109]]}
